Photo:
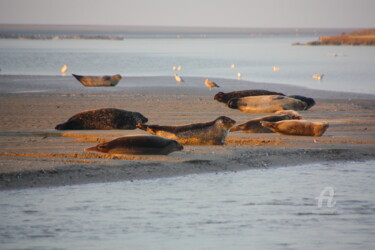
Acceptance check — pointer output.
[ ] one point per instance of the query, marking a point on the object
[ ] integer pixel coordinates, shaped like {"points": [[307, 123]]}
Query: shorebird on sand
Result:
{"points": [[210, 84], [317, 76], [64, 68], [239, 77], [178, 79]]}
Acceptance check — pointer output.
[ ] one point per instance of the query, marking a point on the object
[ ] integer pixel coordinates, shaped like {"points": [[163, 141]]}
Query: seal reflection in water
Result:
{"points": [[104, 118], [266, 104], [209, 133], [138, 145], [297, 127]]}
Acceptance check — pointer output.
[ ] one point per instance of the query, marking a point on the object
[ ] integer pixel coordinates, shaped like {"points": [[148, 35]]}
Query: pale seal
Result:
{"points": [[297, 127], [225, 97], [138, 145], [104, 118], [266, 104], [209, 133], [98, 81], [255, 126]]}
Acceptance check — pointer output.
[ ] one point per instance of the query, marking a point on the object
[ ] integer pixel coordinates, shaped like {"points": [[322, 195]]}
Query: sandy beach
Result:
{"points": [[33, 154]]}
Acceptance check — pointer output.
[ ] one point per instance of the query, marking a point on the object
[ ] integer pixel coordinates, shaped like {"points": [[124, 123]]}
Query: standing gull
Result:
{"points": [[210, 84], [317, 76], [178, 79], [64, 68], [239, 77]]}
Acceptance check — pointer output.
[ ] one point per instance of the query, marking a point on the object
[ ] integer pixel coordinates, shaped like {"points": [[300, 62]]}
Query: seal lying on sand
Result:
{"points": [[266, 104], [104, 118], [309, 101], [98, 81], [138, 145], [290, 113], [254, 126], [225, 97], [297, 127], [209, 133]]}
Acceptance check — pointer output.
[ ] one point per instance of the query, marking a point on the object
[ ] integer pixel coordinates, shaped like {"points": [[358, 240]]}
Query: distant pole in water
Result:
{"points": [[178, 78], [64, 68], [317, 76], [239, 77]]}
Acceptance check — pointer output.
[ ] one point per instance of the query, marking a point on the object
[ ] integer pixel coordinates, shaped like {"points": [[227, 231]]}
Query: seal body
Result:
{"points": [[297, 127], [98, 81], [209, 133], [290, 113], [266, 104], [309, 101], [225, 97], [138, 145], [104, 118], [255, 126]]}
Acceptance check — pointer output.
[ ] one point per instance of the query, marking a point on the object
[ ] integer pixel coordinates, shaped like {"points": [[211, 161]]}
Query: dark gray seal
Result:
{"points": [[138, 145], [308, 100], [255, 126], [225, 97], [209, 133], [104, 118]]}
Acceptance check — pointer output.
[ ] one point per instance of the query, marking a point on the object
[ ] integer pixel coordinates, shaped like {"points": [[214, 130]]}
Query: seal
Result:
{"points": [[209, 133], [308, 100], [98, 81], [297, 127], [255, 126], [104, 118], [225, 97], [138, 145], [291, 113], [266, 104]]}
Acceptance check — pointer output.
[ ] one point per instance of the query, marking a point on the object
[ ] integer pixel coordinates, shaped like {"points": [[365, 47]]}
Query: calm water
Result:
{"points": [[256, 209], [254, 57]]}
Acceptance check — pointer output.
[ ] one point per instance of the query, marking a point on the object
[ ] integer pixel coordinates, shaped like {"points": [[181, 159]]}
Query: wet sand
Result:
{"points": [[33, 154]]}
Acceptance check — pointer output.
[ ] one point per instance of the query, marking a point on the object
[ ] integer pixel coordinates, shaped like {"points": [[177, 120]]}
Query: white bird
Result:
{"points": [[210, 84], [317, 76], [174, 68], [64, 68], [239, 76], [179, 68], [232, 66], [178, 79], [276, 68]]}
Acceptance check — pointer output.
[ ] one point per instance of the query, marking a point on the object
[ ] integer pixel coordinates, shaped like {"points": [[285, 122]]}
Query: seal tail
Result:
{"points": [[141, 126], [234, 129], [78, 77], [91, 149]]}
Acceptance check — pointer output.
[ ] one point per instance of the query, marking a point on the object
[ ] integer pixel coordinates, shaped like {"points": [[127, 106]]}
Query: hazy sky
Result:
{"points": [[207, 13]]}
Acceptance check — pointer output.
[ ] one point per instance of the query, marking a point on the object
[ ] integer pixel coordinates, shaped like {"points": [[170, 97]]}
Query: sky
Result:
{"points": [[193, 13]]}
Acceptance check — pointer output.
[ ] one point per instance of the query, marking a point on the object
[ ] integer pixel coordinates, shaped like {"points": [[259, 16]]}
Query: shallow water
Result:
{"points": [[257, 209], [351, 70]]}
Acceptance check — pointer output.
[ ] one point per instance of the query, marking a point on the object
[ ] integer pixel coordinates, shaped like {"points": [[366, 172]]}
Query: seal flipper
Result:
{"points": [[146, 128], [270, 125]]}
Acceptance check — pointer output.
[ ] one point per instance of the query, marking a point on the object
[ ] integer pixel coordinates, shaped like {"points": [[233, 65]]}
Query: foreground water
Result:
{"points": [[255, 209], [345, 68]]}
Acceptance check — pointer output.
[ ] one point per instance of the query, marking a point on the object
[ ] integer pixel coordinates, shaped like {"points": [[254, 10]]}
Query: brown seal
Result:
{"points": [[209, 133], [138, 145], [297, 127], [266, 104], [98, 81], [225, 97], [255, 126], [104, 118]]}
